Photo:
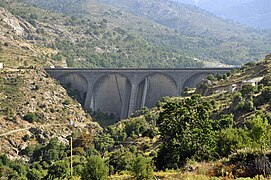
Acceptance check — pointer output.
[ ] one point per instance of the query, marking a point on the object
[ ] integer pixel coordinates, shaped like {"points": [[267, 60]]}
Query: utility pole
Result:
{"points": [[71, 124], [71, 157]]}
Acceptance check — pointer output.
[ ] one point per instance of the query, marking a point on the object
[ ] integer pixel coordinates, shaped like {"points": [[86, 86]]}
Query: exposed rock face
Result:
{"points": [[33, 91], [19, 43], [18, 26]]}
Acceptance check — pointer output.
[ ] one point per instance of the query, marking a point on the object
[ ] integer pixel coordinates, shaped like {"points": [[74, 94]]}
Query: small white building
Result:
{"points": [[1, 65], [253, 82]]}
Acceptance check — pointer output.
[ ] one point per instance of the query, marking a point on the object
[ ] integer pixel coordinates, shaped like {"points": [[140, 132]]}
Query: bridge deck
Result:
{"points": [[139, 69]]}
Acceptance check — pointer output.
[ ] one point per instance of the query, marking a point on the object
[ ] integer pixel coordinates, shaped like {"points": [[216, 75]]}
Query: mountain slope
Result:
{"points": [[37, 106], [224, 36], [255, 13], [33, 107], [16, 45], [95, 40], [168, 30]]}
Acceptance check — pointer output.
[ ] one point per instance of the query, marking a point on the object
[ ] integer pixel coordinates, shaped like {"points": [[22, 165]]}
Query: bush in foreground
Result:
{"points": [[95, 169], [141, 168]]}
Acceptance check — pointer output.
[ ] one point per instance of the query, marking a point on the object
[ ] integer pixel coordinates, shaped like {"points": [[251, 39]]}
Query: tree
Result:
{"points": [[4, 160], [53, 151], [95, 169], [120, 160], [141, 168], [30, 117], [34, 174], [266, 93], [232, 139], [59, 169], [260, 131], [211, 77], [187, 131], [248, 90]]}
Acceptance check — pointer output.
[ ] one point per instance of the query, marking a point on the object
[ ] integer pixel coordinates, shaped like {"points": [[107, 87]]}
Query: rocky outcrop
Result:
{"points": [[32, 91], [19, 26]]}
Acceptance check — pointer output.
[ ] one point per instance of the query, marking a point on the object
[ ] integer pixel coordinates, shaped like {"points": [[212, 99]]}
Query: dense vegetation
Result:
{"points": [[188, 129], [189, 132]]}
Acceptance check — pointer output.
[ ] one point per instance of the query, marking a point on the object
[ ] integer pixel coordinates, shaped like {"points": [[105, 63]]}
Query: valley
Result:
{"points": [[213, 126]]}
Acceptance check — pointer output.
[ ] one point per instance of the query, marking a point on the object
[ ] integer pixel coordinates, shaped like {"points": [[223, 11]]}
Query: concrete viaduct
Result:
{"points": [[123, 91]]}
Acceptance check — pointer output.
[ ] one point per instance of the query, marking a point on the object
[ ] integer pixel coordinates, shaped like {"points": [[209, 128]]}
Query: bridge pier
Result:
{"points": [[133, 98], [144, 92], [126, 102], [89, 103]]}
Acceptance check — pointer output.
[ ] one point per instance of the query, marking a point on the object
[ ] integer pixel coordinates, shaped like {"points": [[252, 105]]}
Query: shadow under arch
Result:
{"points": [[76, 85], [111, 95], [153, 88], [193, 80]]}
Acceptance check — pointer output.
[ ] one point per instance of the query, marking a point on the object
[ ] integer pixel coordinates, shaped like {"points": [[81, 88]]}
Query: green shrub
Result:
{"points": [[66, 102], [95, 169], [135, 127], [59, 169], [248, 90], [266, 81], [266, 93], [141, 168], [232, 139], [248, 106], [30, 117], [34, 174], [120, 160], [211, 77], [4, 160]]}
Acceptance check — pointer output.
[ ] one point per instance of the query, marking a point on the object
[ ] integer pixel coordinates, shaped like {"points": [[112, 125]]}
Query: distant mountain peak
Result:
{"points": [[254, 13]]}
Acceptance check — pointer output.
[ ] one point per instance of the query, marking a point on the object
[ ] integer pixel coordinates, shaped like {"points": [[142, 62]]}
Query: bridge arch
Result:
{"points": [[111, 94], [193, 80], [76, 84], [153, 88]]}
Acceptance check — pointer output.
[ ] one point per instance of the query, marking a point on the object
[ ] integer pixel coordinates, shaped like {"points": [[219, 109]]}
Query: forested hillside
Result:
{"points": [[224, 37], [167, 34]]}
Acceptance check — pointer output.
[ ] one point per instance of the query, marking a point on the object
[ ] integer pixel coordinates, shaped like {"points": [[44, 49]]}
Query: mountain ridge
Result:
{"points": [[254, 13]]}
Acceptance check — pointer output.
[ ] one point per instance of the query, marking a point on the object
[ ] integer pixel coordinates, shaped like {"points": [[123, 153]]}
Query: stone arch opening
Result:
{"points": [[153, 88], [111, 95], [192, 81], [76, 85]]}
